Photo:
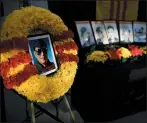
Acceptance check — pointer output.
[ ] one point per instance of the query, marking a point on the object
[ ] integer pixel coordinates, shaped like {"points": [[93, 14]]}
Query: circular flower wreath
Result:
{"points": [[16, 69]]}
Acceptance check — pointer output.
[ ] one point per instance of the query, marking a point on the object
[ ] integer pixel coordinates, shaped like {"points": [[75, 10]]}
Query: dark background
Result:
{"points": [[84, 10], [76, 10], [107, 91]]}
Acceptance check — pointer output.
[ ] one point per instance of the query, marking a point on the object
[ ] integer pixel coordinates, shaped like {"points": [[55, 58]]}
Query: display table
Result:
{"points": [[104, 92]]}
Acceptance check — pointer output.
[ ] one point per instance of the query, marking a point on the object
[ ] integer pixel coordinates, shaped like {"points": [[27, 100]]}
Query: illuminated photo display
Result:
{"points": [[112, 32], [126, 32], [139, 30], [99, 32], [85, 33]]}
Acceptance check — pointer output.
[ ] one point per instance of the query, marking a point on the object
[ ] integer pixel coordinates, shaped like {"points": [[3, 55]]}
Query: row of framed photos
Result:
{"points": [[107, 32]]}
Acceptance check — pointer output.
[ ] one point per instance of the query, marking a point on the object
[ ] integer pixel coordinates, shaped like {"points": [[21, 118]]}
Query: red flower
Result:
{"points": [[113, 54], [67, 58], [119, 52], [4, 68], [60, 50], [66, 46], [15, 43], [13, 62], [63, 35], [29, 70], [8, 84], [135, 50]]}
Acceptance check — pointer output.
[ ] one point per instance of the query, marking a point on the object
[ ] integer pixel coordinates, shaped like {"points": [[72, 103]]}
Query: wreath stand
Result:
{"points": [[41, 109], [66, 58]]}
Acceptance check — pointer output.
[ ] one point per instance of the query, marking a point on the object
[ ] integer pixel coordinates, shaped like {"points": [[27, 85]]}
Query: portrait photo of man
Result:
{"points": [[112, 31], [85, 37], [139, 30], [112, 37], [85, 34], [40, 51], [100, 36], [126, 32], [40, 54], [99, 32]]}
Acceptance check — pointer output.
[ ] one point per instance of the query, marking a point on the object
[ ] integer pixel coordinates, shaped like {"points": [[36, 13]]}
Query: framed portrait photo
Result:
{"points": [[126, 32], [99, 32], [112, 32], [42, 52], [139, 30], [85, 33]]}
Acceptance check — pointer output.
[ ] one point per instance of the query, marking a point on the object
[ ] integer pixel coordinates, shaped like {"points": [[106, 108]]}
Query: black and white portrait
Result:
{"points": [[139, 29], [85, 33], [112, 31], [99, 32], [126, 32]]}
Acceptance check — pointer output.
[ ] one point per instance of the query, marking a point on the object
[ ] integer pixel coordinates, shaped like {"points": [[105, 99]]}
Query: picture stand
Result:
{"points": [[69, 108], [34, 105], [33, 113], [42, 110]]}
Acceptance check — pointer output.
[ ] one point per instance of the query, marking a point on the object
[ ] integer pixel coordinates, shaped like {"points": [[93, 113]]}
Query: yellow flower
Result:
{"points": [[123, 52], [74, 52], [43, 89], [97, 56], [20, 22], [5, 56], [144, 49]]}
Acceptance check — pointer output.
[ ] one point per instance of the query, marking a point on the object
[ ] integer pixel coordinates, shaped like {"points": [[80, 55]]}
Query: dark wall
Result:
{"points": [[70, 11], [142, 10], [1, 9], [73, 10], [83, 10]]}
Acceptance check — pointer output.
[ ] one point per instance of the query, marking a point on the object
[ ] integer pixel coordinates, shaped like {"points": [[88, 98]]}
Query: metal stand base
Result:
{"points": [[32, 113], [42, 110], [69, 108]]}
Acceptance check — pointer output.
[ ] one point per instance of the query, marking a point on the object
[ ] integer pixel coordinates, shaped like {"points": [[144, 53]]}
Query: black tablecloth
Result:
{"points": [[98, 92]]}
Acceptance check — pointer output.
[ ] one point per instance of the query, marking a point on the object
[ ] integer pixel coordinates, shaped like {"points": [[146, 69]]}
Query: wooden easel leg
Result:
{"points": [[69, 108], [32, 113]]}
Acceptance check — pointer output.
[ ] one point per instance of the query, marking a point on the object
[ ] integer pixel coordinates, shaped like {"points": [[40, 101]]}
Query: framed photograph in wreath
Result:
{"points": [[112, 32], [99, 32], [139, 30], [42, 52], [85, 33], [126, 32]]}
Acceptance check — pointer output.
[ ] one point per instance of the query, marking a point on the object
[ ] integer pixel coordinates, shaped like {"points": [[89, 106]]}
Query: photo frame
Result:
{"points": [[85, 33], [112, 32], [42, 53], [139, 31], [126, 32], [99, 33]]}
